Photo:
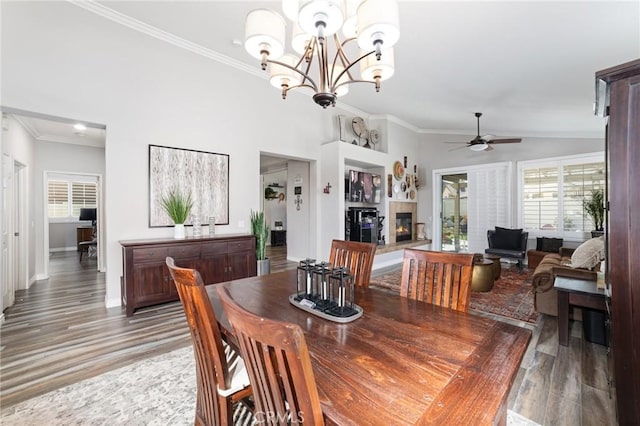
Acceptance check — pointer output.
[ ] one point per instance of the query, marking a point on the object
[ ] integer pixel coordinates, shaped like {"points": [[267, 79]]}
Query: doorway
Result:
{"points": [[453, 223]]}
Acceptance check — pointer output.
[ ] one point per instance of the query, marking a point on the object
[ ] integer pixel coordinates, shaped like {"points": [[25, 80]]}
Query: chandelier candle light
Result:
{"points": [[372, 23]]}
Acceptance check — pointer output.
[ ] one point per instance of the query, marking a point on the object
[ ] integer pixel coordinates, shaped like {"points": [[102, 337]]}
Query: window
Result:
{"points": [[552, 193], [66, 196]]}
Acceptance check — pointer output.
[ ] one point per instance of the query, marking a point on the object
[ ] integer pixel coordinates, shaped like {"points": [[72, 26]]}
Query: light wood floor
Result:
{"points": [[59, 332]]}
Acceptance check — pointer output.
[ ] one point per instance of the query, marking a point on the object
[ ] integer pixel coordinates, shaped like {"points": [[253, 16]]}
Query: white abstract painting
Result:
{"points": [[205, 175]]}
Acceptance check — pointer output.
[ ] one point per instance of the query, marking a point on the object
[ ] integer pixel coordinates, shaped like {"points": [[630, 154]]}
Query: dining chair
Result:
{"points": [[357, 257], [222, 379], [438, 278], [279, 365]]}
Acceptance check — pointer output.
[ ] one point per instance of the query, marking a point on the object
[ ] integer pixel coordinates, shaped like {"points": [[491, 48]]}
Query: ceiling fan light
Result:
{"points": [[370, 67], [478, 147], [280, 75], [329, 12], [264, 30], [378, 22]]}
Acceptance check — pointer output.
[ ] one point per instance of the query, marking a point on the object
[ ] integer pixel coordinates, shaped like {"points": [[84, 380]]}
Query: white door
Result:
{"points": [[8, 284], [19, 260]]}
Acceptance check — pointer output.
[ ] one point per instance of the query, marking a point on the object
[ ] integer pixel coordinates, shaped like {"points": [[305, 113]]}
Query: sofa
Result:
{"points": [[544, 246], [560, 264]]}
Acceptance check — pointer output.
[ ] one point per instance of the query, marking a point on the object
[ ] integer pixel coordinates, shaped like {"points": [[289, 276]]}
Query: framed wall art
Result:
{"points": [[205, 175]]}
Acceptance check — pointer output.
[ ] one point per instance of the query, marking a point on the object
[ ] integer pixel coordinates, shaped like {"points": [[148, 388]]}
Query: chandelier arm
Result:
{"points": [[346, 63], [356, 81], [347, 68], [305, 76]]}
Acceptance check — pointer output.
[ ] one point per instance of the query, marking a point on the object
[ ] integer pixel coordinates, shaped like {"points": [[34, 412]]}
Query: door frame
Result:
{"points": [[99, 219]]}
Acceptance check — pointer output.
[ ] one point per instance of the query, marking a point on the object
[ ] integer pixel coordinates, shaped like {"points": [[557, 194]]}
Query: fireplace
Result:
{"points": [[403, 226]]}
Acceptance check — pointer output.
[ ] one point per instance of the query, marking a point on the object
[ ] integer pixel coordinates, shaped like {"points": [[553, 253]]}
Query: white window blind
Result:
{"points": [[58, 198], [66, 196], [489, 205], [552, 192], [83, 195]]}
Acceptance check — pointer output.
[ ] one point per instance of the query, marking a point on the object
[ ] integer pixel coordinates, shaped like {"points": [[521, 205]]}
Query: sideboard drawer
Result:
{"points": [[244, 245], [150, 254], [186, 251]]}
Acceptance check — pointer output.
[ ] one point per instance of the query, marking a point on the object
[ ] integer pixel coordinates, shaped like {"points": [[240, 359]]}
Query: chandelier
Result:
{"points": [[373, 24]]}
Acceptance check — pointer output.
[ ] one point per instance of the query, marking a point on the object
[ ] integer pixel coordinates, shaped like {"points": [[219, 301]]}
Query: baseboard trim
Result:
{"points": [[112, 303], [59, 249], [41, 277]]}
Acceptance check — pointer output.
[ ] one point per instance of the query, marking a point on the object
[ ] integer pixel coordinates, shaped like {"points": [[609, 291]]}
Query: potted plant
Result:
{"points": [[594, 207], [260, 229], [178, 206]]}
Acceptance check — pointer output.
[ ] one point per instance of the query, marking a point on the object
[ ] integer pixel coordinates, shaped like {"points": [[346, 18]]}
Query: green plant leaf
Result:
{"points": [[260, 229], [177, 205]]}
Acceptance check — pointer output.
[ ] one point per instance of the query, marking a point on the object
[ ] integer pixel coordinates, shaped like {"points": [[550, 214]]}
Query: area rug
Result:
{"points": [[158, 391], [511, 296]]}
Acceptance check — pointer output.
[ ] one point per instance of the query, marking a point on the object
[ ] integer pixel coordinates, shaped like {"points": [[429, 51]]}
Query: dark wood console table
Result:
{"points": [[278, 237], [575, 292], [146, 280]]}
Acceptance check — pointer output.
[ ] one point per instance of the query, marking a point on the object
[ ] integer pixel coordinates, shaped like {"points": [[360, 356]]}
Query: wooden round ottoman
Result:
{"points": [[482, 279], [497, 269]]}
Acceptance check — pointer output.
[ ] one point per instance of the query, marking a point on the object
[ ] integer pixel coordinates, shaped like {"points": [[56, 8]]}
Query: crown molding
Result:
{"points": [[150, 30], [27, 126]]}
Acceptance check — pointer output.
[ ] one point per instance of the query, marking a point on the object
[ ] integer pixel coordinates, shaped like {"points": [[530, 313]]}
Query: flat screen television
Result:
{"points": [[363, 187]]}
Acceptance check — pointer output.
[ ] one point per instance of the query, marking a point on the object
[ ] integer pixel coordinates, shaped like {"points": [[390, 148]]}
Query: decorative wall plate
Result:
{"points": [[396, 188], [412, 194], [403, 186], [398, 170]]}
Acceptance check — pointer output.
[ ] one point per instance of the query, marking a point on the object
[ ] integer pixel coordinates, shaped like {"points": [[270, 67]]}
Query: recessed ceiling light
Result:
{"points": [[80, 127]]}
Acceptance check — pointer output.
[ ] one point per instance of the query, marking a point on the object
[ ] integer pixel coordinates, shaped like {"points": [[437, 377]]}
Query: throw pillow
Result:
{"points": [[551, 245], [507, 239], [588, 254]]}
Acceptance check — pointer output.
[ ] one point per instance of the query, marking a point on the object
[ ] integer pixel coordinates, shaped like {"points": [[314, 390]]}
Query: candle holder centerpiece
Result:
{"points": [[325, 291]]}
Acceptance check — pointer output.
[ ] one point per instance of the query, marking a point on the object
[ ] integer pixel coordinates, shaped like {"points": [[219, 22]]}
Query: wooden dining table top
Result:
{"points": [[403, 362]]}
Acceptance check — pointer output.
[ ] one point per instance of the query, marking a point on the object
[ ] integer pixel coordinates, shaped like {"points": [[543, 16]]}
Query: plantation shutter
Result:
{"points": [[488, 203], [579, 181], [58, 199], [83, 194], [540, 198]]}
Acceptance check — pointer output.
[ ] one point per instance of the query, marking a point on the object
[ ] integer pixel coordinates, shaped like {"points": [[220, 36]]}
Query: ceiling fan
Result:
{"points": [[483, 143]]}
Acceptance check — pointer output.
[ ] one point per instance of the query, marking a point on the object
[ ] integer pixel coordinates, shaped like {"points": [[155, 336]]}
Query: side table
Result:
{"points": [[575, 292], [482, 279], [497, 269]]}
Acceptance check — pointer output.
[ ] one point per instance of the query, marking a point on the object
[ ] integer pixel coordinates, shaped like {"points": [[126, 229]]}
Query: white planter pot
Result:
{"points": [[178, 231]]}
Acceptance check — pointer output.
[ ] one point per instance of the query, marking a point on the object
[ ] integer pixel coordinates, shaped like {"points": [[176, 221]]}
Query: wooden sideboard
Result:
{"points": [[146, 280]]}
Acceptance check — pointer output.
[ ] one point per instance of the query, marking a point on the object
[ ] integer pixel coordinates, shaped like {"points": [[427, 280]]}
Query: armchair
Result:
{"points": [[509, 243]]}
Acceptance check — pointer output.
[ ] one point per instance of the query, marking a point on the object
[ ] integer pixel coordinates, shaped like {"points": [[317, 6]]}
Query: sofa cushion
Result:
{"points": [[551, 245], [588, 254], [507, 239]]}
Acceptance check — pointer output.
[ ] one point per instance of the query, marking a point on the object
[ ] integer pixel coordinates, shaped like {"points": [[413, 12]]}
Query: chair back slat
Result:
{"points": [[438, 278], [279, 366], [211, 364], [355, 256]]}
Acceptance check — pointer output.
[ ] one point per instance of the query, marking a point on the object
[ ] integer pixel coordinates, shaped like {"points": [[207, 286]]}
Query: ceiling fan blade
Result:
{"points": [[505, 140], [456, 142]]}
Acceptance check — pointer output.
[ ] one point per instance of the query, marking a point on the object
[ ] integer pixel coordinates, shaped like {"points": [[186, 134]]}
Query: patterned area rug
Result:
{"points": [[511, 296]]}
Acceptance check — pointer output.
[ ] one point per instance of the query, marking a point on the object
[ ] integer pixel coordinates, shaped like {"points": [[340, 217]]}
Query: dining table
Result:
{"points": [[404, 362]]}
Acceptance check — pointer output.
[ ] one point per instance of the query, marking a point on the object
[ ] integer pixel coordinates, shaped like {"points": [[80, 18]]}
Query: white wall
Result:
{"points": [[21, 147], [299, 221], [148, 92]]}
